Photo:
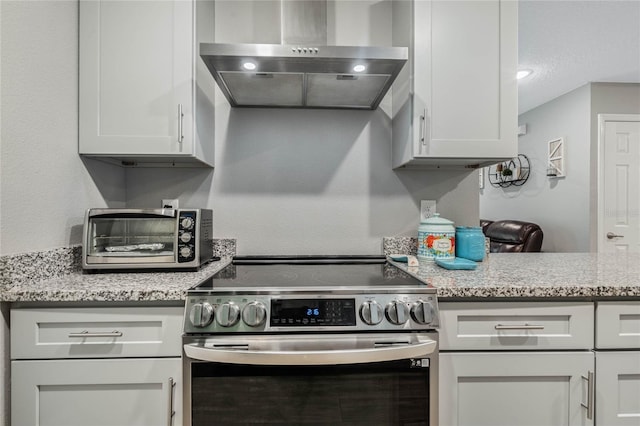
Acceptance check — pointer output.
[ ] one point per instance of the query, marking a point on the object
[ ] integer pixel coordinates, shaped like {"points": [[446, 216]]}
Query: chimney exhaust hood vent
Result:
{"points": [[303, 72]]}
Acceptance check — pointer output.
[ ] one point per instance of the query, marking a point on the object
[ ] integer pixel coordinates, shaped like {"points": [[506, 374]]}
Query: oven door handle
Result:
{"points": [[243, 355]]}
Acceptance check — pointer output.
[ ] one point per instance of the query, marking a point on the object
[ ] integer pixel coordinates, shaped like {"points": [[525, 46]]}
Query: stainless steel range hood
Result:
{"points": [[303, 72]]}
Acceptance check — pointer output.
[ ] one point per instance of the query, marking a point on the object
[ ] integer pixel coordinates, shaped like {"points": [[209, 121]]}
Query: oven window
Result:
{"points": [[132, 237], [389, 393]]}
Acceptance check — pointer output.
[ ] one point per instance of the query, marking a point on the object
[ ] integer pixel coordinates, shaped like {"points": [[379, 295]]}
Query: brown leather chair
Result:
{"points": [[513, 236]]}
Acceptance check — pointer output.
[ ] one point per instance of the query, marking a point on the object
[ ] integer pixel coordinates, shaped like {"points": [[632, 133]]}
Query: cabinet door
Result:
{"points": [[96, 392], [465, 93], [136, 62], [515, 389], [618, 389]]}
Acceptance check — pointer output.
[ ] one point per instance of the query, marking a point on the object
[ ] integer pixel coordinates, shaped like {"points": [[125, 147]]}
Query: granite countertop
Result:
{"points": [[538, 275], [111, 287], [55, 276]]}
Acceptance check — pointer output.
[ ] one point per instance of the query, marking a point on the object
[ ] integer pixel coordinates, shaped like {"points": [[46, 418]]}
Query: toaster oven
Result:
{"points": [[147, 238]]}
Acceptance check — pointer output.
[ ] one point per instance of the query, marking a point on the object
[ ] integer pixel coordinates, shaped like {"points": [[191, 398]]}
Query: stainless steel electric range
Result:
{"points": [[311, 340]]}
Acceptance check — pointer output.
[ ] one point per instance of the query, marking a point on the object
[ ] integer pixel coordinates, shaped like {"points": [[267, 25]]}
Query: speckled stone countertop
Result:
{"points": [[112, 287], [57, 276], [537, 275]]}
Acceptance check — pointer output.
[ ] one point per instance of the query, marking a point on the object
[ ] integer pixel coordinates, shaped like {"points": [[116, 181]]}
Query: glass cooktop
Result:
{"points": [[309, 271]]}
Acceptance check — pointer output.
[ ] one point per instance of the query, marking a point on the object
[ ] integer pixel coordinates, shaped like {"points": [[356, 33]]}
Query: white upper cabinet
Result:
{"points": [[455, 102], [145, 96]]}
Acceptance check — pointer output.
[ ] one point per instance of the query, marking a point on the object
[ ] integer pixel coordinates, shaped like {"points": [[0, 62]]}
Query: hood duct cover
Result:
{"points": [[303, 76]]}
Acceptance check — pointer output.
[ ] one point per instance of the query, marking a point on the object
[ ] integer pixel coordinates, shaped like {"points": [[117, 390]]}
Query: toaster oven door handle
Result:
{"points": [[241, 354], [133, 212]]}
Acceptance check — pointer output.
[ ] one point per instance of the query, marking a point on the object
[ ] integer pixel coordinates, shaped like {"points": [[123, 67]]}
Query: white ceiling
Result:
{"points": [[568, 43]]}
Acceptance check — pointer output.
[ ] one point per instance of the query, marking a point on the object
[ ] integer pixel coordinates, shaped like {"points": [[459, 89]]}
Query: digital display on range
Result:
{"points": [[312, 312]]}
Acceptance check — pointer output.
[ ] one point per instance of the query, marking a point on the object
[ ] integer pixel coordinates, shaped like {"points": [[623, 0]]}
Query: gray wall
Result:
{"points": [[565, 208], [44, 185], [307, 181], [559, 206]]}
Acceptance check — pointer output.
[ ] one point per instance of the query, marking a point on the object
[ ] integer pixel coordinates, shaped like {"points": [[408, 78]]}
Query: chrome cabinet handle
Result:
{"points": [[590, 395], [423, 127], [85, 333], [519, 327], [611, 235], [180, 115], [171, 412]]}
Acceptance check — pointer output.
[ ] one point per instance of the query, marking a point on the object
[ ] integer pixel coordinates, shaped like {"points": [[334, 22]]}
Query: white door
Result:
{"points": [[97, 392], [618, 389], [135, 77], [515, 388], [619, 183]]}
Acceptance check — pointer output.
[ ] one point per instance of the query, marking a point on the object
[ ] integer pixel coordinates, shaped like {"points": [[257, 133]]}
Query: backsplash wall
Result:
{"points": [[307, 181], [286, 181]]}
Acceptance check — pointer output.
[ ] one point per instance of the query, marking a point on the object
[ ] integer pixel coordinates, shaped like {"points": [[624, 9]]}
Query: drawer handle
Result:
{"points": [[171, 413], [590, 395], [85, 333], [519, 327]]}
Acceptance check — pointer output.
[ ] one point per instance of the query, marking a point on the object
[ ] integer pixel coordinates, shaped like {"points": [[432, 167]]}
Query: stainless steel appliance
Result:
{"points": [[303, 71], [311, 340], [147, 238]]}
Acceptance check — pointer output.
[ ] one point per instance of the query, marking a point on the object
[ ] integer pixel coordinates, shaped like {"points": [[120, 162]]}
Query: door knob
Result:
{"points": [[611, 235]]}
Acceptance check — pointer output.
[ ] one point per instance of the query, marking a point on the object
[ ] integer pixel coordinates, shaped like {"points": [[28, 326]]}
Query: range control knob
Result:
{"points": [[186, 222], [422, 312], [397, 312], [254, 314], [371, 312], [228, 314], [185, 252], [201, 314], [185, 237]]}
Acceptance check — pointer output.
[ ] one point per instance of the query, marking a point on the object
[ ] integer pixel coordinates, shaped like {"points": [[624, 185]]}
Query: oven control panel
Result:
{"points": [[232, 313]]}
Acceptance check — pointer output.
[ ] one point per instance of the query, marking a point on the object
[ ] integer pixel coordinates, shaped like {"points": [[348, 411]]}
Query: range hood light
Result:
{"points": [[249, 66], [359, 68]]}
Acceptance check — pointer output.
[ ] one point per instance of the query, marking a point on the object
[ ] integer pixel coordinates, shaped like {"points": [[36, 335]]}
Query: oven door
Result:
{"points": [[345, 379]]}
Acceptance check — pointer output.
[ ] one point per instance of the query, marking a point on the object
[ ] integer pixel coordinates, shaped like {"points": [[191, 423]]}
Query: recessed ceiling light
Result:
{"points": [[249, 66], [523, 73], [359, 68]]}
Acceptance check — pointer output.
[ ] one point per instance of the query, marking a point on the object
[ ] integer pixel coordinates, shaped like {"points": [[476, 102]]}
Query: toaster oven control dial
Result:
{"points": [[397, 312], [228, 314], [186, 252], [201, 314], [254, 314], [371, 312], [422, 312], [185, 237], [187, 222]]}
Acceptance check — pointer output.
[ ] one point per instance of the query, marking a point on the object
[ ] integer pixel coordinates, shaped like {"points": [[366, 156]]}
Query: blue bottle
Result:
{"points": [[470, 243]]}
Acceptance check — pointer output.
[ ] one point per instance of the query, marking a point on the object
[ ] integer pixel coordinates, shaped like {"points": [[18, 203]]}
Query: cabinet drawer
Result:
{"points": [[96, 332], [618, 325], [516, 325]]}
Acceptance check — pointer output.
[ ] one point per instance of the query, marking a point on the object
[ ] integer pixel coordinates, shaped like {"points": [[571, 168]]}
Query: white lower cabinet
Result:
{"points": [[618, 389], [96, 365], [618, 363], [115, 392], [515, 388], [517, 364]]}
